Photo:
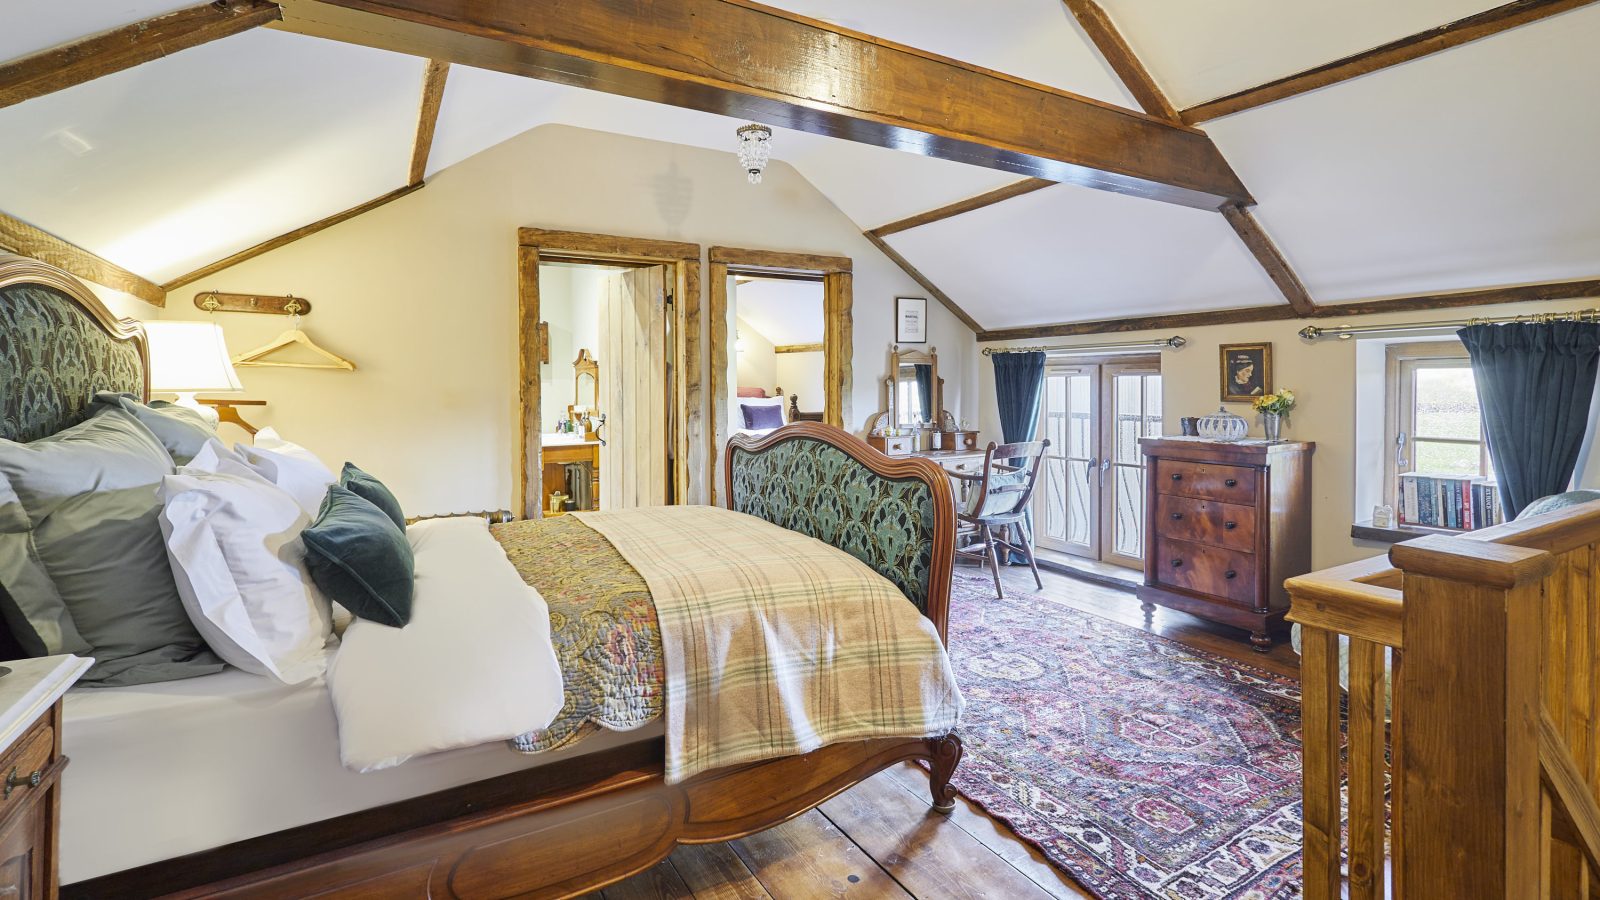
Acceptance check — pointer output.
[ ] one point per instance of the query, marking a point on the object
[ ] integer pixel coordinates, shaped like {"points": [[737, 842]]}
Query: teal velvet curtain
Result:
{"points": [[1018, 388], [925, 391], [1535, 381]]}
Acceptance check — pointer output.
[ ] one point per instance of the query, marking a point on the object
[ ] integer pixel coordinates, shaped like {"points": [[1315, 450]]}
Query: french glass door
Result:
{"points": [[1091, 499]]}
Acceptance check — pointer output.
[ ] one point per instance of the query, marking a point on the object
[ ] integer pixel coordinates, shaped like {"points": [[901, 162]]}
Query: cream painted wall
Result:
{"points": [[569, 299], [757, 364], [1326, 380], [801, 374], [422, 295]]}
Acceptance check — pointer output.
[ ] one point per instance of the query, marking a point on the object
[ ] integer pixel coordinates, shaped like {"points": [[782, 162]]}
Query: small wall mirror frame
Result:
{"points": [[916, 392], [586, 382]]}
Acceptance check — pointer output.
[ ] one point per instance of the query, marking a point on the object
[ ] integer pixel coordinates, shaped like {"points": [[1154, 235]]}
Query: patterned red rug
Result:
{"points": [[1143, 767]]}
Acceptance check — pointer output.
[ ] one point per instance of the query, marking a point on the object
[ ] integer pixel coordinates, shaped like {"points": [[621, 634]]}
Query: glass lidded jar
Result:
{"points": [[1223, 426]]}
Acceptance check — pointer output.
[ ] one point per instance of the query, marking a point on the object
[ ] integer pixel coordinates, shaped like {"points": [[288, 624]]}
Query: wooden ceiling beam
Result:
{"points": [[25, 240], [1453, 34], [427, 118], [739, 59], [288, 238], [919, 278], [989, 198], [123, 48], [1270, 259], [1527, 293], [1108, 40]]}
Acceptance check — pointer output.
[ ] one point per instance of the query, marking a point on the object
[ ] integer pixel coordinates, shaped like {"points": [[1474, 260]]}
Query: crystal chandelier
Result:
{"points": [[755, 148]]}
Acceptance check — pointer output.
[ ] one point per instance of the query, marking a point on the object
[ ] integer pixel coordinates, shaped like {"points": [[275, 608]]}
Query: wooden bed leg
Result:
{"points": [[946, 755]]}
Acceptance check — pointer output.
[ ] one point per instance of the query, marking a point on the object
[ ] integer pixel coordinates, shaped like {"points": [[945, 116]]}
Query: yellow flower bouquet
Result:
{"points": [[1278, 403]]}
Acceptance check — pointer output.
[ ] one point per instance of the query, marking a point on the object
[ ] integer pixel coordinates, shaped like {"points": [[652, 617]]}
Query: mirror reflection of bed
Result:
{"points": [[604, 386], [777, 343]]}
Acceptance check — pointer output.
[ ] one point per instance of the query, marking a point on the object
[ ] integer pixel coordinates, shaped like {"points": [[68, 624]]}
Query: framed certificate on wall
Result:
{"points": [[911, 320]]}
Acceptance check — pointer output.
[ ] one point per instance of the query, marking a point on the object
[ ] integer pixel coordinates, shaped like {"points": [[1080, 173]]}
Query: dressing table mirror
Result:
{"points": [[915, 418], [585, 392]]}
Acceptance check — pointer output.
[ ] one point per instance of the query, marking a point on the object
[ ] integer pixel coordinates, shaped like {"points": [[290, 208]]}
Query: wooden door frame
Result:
{"points": [[838, 341], [690, 468]]}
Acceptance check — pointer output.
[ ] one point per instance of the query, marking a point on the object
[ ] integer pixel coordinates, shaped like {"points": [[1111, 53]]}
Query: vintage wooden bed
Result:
{"points": [[567, 827]]}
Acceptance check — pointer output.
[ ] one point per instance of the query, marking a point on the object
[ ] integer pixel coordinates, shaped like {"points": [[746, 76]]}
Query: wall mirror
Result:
{"points": [[916, 392], [586, 382]]}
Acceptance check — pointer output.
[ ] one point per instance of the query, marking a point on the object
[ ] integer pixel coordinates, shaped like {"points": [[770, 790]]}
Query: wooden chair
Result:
{"points": [[1005, 486]]}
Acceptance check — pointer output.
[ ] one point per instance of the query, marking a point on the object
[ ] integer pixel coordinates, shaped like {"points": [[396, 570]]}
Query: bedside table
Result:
{"points": [[30, 772]]}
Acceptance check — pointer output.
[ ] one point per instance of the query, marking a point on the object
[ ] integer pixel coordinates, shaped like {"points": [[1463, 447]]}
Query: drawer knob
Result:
{"points": [[28, 781], [1177, 476], [1177, 516], [1230, 574], [1176, 563], [1230, 525], [1232, 482]]}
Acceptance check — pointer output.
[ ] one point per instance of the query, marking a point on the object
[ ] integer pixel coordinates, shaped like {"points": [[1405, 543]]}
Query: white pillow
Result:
{"points": [[290, 467], [781, 403], [233, 539]]}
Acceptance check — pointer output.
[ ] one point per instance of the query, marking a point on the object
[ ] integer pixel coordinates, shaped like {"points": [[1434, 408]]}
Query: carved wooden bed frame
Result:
{"points": [[556, 830]]}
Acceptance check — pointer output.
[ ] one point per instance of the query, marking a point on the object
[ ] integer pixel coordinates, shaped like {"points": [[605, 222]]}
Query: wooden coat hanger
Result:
{"points": [[294, 335]]}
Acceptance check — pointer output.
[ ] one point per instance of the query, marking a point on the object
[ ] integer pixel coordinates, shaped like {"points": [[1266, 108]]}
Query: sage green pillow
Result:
{"points": [[94, 546], [360, 559], [181, 430], [373, 491]]}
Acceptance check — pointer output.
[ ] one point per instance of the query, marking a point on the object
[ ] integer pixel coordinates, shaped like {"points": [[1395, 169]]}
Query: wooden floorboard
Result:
{"points": [[809, 857], [918, 846], [715, 872], [882, 839]]}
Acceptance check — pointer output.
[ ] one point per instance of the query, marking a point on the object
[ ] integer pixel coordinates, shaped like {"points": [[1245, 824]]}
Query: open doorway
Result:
{"points": [[777, 352], [780, 342], [603, 359]]}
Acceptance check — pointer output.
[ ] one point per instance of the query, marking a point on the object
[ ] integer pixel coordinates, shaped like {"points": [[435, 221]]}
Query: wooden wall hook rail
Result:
{"points": [[287, 305]]}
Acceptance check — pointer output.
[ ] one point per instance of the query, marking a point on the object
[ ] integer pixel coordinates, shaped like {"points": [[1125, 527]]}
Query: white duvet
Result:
{"points": [[474, 665]]}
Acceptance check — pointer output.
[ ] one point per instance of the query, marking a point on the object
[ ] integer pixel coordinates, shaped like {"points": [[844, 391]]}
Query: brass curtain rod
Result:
{"points": [[1172, 343], [1343, 332]]}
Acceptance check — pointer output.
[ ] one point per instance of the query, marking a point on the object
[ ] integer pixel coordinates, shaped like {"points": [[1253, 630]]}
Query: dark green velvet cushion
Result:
{"points": [[372, 490], [360, 559]]}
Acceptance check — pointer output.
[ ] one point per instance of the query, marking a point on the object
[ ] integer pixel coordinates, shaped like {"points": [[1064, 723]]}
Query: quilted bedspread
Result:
{"points": [[602, 623]]}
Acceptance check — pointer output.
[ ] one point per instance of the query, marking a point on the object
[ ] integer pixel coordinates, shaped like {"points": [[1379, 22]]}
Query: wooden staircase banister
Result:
{"points": [[1563, 778], [1359, 610]]}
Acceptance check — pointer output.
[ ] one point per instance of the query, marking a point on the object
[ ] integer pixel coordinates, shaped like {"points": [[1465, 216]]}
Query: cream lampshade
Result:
{"points": [[187, 358]]}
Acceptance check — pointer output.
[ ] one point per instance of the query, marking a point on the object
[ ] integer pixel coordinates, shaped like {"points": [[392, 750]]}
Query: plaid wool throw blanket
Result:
{"points": [[775, 643]]}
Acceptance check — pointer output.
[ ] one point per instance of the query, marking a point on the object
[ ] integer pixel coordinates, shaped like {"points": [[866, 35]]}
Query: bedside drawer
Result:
{"points": [[1210, 481], [1228, 525], [1217, 571], [32, 753]]}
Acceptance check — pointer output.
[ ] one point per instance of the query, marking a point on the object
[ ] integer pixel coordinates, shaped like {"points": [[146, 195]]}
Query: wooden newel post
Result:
{"points": [[1467, 757]]}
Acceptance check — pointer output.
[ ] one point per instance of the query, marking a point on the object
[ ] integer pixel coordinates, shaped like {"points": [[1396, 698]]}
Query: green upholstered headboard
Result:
{"points": [[58, 346], [897, 515]]}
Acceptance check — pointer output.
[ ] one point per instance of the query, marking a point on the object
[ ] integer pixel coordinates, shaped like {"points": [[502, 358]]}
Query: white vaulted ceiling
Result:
{"points": [[1468, 168], [1069, 253]]}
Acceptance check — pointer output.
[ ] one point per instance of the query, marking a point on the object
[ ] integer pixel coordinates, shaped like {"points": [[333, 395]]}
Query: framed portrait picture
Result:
{"points": [[1246, 372], [911, 320]]}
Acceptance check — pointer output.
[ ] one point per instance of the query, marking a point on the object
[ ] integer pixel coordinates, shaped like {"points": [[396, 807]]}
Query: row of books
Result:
{"points": [[1442, 501]]}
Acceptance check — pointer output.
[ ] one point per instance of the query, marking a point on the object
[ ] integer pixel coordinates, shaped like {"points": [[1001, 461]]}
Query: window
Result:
{"points": [[1433, 423]]}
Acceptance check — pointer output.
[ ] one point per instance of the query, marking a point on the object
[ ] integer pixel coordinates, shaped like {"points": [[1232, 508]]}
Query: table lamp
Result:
{"points": [[187, 358]]}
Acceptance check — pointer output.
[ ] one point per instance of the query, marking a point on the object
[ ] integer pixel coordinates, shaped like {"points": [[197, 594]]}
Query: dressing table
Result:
{"points": [[915, 422], [560, 449]]}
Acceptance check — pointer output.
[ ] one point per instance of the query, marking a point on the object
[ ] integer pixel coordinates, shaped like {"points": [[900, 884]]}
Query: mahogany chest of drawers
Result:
{"points": [[1226, 524]]}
